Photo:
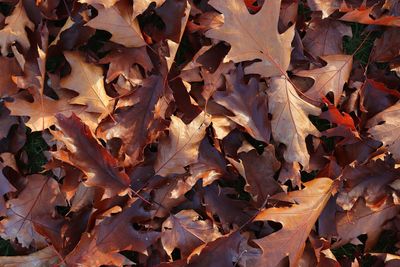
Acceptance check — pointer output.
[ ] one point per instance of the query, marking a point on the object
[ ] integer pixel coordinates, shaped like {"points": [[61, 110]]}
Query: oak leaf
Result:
{"points": [[181, 147], [324, 37], [87, 80], [14, 31], [44, 257], [264, 43], [330, 78], [139, 118], [247, 103], [120, 22], [297, 222], [290, 124], [36, 201], [186, 231], [42, 110], [362, 220], [387, 132], [87, 154]]}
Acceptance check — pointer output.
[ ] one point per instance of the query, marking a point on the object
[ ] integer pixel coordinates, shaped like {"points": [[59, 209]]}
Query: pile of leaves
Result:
{"points": [[199, 132]]}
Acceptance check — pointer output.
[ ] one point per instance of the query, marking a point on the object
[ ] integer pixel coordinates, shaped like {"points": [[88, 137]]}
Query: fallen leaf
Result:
{"points": [[330, 78], [120, 22], [297, 222], [264, 43], [290, 124], [181, 147], [87, 80], [14, 31]]}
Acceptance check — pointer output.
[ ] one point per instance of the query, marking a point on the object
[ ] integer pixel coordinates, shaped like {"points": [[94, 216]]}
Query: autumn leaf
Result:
{"points": [[186, 230], [265, 43], [330, 78], [38, 199], [290, 124], [87, 154], [387, 132], [324, 37], [14, 31], [118, 20], [139, 118], [87, 80], [44, 257], [180, 148], [297, 222], [248, 104]]}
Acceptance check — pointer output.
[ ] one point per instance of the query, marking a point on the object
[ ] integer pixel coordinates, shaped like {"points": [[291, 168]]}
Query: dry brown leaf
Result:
{"points": [[290, 124], [186, 230], [330, 78], [87, 154], [44, 257], [325, 37], [248, 103], [14, 31], [36, 201], [297, 222], [87, 80], [263, 43], [387, 132], [119, 21], [181, 147]]}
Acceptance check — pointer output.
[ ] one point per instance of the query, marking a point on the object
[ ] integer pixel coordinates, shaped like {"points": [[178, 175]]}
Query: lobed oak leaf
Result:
{"points": [[264, 43], [186, 231], [139, 6], [105, 3], [120, 22], [330, 78], [42, 110], [247, 103], [122, 60], [36, 201], [387, 133], [290, 124], [87, 253], [44, 257], [87, 154], [362, 220], [259, 173], [369, 181], [181, 147], [324, 37], [223, 251], [113, 234], [14, 31], [139, 118], [297, 222], [87, 80], [363, 15]]}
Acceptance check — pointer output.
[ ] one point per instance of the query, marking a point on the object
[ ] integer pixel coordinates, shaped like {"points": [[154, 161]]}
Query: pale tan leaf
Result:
{"points": [[186, 230], [14, 31], [181, 147], [249, 41], [38, 199], [297, 222], [43, 257], [330, 78], [119, 21], [139, 6], [87, 80], [290, 124], [388, 132]]}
